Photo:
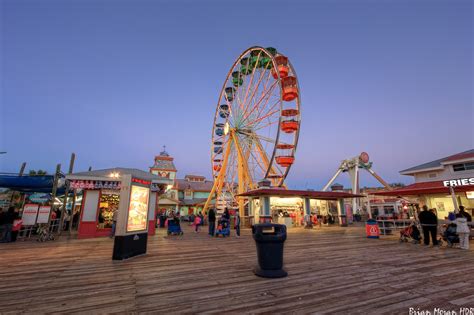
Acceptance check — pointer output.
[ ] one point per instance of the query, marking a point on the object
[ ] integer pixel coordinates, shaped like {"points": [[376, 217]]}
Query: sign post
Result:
{"points": [[43, 214], [132, 221]]}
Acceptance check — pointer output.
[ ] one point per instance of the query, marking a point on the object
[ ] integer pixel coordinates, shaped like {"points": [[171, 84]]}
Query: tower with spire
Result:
{"points": [[164, 165]]}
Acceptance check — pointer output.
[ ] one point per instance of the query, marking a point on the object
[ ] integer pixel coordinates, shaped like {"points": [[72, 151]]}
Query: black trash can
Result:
{"points": [[269, 239]]}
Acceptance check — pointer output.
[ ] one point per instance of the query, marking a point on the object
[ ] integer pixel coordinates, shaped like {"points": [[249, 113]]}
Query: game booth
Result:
{"points": [[103, 196]]}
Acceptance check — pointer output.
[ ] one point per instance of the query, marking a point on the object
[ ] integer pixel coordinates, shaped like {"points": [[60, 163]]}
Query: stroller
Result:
{"points": [[174, 227], [410, 233], [223, 228], [450, 235]]}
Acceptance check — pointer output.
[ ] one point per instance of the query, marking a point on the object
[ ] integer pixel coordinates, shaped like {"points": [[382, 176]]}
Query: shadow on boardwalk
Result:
{"points": [[331, 270]]}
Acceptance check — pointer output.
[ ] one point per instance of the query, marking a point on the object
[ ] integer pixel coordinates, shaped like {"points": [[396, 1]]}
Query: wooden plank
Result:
{"points": [[331, 270]]}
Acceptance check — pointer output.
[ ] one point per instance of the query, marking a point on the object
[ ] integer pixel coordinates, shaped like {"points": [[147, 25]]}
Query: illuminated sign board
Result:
{"points": [[459, 182], [141, 181], [138, 209], [470, 194]]}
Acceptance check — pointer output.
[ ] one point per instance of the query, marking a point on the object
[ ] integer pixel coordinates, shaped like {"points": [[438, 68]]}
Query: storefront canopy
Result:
{"points": [[424, 188], [312, 194], [42, 183], [106, 174]]}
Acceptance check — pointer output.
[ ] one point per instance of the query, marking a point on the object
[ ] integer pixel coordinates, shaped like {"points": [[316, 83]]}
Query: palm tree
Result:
{"points": [[37, 173]]}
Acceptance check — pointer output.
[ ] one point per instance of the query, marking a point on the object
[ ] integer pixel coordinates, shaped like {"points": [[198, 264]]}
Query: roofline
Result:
{"points": [[113, 179], [311, 194], [469, 159], [421, 170], [416, 169], [85, 177]]}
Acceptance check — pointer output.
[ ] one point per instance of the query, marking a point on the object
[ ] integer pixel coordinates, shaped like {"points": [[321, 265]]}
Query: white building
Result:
{"points": [[429, 187]]}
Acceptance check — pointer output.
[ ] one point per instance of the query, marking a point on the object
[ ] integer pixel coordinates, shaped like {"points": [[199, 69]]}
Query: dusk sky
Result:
{"points": [[114, 81]]}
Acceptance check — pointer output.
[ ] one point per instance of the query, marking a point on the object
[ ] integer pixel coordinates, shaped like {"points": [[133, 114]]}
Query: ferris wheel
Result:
{"points": [[256, 125]]}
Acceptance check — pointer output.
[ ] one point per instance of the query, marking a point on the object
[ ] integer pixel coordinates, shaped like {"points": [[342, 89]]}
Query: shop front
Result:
{"points": [[101, 191], [291, 207], [437, 195]]}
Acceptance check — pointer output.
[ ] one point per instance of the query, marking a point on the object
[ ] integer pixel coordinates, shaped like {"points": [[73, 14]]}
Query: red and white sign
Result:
{"points": [[372, 231], [43, 214], [30, 212]]}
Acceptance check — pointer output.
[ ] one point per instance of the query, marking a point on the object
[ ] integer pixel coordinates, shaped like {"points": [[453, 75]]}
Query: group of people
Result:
{"points": [[224, 220], [429, 223], [197, 221]]}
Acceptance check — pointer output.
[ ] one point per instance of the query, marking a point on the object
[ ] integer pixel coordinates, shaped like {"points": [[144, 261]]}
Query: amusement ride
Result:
{"points": [[256, 126], [352, 166]]}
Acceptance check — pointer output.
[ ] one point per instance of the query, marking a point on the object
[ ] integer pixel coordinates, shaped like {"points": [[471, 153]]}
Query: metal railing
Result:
{"points": [[388, 226]]}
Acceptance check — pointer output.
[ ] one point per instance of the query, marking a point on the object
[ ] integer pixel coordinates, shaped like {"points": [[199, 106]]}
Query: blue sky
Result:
{"points": [[113, 81]]}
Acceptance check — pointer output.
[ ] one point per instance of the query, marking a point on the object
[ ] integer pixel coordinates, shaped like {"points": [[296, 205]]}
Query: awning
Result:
{"points": [[423, 188], [312, 194], [24, 183]]}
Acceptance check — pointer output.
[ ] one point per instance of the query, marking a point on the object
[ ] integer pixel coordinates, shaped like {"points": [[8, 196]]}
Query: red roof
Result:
{"points": [[435, 187], [460, 156], [276, 192]]}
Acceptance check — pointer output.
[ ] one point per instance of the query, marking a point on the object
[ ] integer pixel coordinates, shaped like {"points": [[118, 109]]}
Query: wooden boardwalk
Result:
{"points": [[331, 270]]}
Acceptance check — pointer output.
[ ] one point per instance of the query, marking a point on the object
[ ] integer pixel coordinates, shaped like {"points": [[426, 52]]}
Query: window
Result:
{"points": [[432, 175], [388, 209], [109, 203], [188, 194], [463, 167]]}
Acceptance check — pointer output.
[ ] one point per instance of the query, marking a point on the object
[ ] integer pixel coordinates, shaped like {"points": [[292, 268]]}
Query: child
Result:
{"points": [[196, 223], [237, 223], [462, 229]]}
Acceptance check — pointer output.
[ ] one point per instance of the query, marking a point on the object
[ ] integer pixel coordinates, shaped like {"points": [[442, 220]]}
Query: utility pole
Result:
{"points": [[66, 193], [22, 169], [74, 195]]}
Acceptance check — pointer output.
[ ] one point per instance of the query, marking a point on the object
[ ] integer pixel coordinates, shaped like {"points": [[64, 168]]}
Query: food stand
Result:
{"points": [[102, 195], [266, 203]]}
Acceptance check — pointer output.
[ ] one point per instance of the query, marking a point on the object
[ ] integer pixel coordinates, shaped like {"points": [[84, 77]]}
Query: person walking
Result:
{"points": [[202, 217], [8, 219], [16, 227], [463, 231], [464, 213], [211, 217], [114, 223], [196, 223], [237, 223], [429, 223]]}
